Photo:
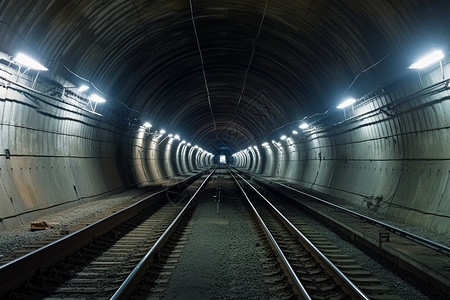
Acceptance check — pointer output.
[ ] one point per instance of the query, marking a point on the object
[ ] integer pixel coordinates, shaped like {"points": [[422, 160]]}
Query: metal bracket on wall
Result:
{"points": [[7, 154]]}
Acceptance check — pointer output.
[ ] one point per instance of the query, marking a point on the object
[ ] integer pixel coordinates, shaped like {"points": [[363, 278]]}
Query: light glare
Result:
{"points": [[346, 103], [97, 98], [83, 88], [304, 125], [29, 62], [147, 125], [427, 60]]}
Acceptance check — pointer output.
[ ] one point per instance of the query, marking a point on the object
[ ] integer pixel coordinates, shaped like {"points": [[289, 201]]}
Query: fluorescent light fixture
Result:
{"points": [[83, 88], [304, 125], [170, 135], [188, 144], [265, 144], [27, 61], [176, 136], [147, 125], [97, 98], [346, 103], [427, 60], [294, 132], [162, 131], [283, 137]]}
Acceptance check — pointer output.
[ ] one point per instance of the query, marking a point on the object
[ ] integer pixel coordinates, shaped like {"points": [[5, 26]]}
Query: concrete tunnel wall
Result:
{"points": [[55, 153], [392, 155]]}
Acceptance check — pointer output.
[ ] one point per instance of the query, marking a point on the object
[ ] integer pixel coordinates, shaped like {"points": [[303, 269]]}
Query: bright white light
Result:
{"points": [[222, 159], [162, 131], [294, 132], [183, 142], [427, 60], [283, 137], [200, 149], [177, 137], [189, 144], [249, 148], [255, 147], [83, 88], [346, 103], [304, 125], [27, 61], [97, 98], [195, 147], [147, 125], [265, 144], [170, 135]]}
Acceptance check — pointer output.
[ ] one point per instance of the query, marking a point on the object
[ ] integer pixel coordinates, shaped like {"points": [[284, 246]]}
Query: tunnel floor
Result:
{"points": [[222, 255]]}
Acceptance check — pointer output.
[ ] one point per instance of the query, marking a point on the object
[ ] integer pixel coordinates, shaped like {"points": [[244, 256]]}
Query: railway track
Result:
{"points": [[315, 267], [427, 260], [97, 268]]}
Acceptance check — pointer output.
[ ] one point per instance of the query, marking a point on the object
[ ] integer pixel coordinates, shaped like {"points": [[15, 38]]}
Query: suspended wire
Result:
{"points": [[203, 68], [354, 80], [251, 57]]}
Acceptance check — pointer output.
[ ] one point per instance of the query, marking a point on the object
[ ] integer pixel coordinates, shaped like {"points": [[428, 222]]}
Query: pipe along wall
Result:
{"points": [[392, 155], [55, 153]]}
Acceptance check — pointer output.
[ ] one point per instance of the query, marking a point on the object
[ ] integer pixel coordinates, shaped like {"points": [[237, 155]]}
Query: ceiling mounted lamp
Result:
{"points": [[346, 103], [294, 132], [304, 126], [176, 136], [96, 98], [162, 131], [283, 137], [428, 59], [83, 88], [29, 62], [265, 144], [147, 125]]}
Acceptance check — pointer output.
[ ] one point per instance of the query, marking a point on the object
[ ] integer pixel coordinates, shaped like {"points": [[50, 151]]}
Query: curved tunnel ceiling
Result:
{"points": [[145, 55]]}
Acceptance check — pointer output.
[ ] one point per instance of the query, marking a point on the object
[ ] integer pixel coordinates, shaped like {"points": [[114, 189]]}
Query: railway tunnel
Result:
{"points": [[169, 87]]}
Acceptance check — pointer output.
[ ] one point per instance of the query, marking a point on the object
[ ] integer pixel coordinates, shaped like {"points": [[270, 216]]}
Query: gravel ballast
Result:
{"points": [[18, 237], [222, 257]]}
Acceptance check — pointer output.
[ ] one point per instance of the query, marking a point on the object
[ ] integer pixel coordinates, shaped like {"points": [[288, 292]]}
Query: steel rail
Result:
{"points": [[337, 274], [25, 267], [128, 284], [298, 287], [411, 236]]}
